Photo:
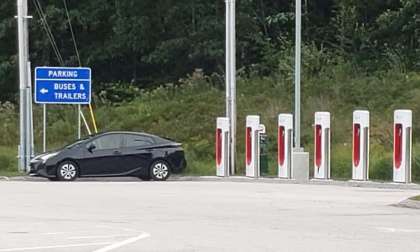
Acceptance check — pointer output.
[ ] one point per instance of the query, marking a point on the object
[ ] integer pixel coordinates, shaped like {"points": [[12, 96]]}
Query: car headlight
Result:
{"points": [[48, 156]]}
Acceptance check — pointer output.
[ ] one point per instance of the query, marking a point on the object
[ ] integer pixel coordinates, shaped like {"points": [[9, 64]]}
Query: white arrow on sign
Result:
{"points": [[43, 91]]}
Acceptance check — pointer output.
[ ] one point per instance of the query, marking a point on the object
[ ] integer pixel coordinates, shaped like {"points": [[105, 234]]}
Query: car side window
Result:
{"points": [[137, 140], [106, 142]]}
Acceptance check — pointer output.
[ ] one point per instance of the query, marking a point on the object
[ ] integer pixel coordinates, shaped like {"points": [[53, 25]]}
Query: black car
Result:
{"points": [[112, 154]]}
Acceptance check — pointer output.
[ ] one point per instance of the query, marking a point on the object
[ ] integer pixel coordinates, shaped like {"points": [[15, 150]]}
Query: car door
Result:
{"points": [[137, 151], [105, 156]]}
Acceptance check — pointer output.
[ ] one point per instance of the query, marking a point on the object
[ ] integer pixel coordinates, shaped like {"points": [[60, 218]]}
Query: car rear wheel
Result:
{"points": [[160, 170], [67, 171]]}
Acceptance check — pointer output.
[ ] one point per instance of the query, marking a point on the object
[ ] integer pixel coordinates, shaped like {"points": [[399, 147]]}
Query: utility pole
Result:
{"points": [[300, 163], [298, 44], [231, 78], [25, 121]]}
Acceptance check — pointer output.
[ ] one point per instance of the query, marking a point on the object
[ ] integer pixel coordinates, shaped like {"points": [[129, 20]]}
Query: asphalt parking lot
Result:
{"points": [[203, 216]]}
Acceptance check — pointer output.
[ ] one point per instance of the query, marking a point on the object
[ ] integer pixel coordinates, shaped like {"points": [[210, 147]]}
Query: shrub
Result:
{"points": [[341, 161], [380, 163]]}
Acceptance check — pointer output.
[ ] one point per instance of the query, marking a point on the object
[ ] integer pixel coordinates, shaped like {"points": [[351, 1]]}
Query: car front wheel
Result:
{"points": [[67, 171], [160, 170]]}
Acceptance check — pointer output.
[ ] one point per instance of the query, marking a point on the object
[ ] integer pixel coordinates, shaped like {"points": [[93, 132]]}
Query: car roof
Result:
{"points": [[125, 132], [158, 138]]}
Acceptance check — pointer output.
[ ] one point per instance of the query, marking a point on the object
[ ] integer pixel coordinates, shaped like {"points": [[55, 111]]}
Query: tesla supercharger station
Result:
{"points": [[402, 146], [285, 145], [222, 147], [252, 145], [360, 145], [322, 145]]}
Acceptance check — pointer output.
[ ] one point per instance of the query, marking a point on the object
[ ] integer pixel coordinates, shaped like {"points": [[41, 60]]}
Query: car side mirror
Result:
{"points": [[91, 147]]}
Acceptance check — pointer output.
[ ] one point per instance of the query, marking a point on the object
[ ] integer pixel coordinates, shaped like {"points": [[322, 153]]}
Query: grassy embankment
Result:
{"points": [[187, 114]]}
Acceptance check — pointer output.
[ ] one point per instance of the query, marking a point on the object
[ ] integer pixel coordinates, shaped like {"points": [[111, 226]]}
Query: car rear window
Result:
{"points": [[132, 140]]}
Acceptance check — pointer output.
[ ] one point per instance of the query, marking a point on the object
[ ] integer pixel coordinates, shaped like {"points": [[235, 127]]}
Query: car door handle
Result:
{"points": [[117, 152]]}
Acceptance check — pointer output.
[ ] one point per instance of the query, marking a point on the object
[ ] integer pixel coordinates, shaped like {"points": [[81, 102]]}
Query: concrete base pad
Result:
{"points": [[300, 166]]}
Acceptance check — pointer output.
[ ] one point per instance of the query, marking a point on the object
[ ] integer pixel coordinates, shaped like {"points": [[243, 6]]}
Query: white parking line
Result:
{"points": [[52, 233], [55, 246], [122, 243], [98, 236], [397, 230]]}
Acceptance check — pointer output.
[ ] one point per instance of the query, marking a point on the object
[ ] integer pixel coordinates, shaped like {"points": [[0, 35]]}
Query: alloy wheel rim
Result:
{"points": [[68, 171], [160, 170]]}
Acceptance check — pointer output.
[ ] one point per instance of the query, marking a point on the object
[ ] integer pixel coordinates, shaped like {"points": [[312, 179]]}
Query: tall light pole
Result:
{"points": [[231, 78], [25, 146], [300, 157], [298, 44]]}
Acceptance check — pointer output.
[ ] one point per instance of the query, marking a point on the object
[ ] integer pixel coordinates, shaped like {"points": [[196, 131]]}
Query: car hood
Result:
{"points": [[45, 154]]}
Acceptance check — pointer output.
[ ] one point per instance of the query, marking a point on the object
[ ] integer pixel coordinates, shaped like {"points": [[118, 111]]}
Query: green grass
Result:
{"points": [[416, 198], [11, 173], [8, 161], [187, 113]]}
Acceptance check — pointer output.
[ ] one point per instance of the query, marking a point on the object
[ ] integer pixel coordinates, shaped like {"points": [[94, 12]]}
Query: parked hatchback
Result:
{"points": [[112, 154]]}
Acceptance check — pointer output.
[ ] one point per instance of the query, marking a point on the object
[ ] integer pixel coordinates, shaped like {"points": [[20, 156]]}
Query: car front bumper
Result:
{"points": [[39, 168]]}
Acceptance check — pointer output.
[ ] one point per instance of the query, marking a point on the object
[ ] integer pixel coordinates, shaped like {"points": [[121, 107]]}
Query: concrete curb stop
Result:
{"points": [[275, 180], [243, 179]]}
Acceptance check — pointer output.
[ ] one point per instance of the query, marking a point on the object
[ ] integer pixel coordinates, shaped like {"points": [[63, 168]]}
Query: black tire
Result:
{"points": [[160, 170], [67, 171]]}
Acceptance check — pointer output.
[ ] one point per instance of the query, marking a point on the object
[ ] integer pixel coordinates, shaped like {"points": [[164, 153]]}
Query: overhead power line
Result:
{"points": [[53, 43], [47, 29], [72, 33], [80, 64]]}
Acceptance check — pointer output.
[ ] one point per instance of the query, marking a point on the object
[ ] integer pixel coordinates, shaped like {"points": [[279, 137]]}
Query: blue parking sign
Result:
{"points": [[63, 85]]}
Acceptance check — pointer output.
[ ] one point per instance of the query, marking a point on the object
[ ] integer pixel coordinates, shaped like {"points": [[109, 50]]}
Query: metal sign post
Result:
{"points": [[231, 78], [298, 45], [29, 124], [79, 122], [44, 128]]}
